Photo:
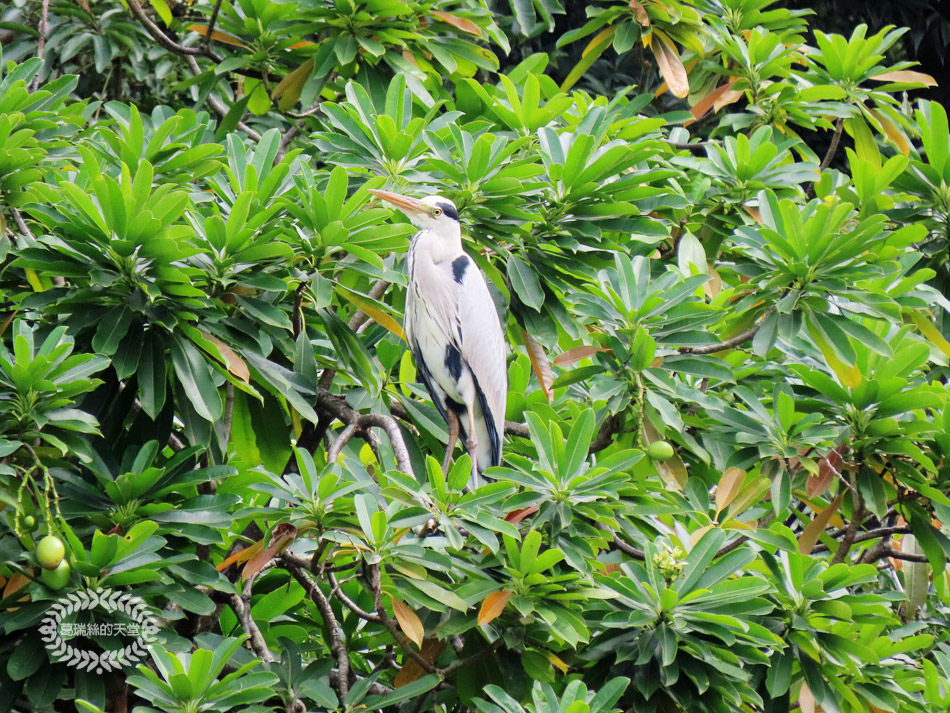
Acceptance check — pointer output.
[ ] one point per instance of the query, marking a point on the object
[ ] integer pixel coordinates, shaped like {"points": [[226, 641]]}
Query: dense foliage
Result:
{"points": [[714, 228]]}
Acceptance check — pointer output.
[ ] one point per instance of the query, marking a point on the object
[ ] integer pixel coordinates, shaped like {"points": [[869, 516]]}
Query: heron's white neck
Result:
{"points": [[444, 244]]}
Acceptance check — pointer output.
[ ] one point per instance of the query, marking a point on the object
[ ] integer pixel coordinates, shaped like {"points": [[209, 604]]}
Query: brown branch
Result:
{"points": [[242, 608], [228, 411], [219, 108], [883, 532], [474, 658], [337, 635], [41, 41], [375, 585], [336, 406], [211, 23], [851, 532], [337, 591], [833, 147], [891, 552], [732, 342], [340, 441], [164, 40], [628, 549]]}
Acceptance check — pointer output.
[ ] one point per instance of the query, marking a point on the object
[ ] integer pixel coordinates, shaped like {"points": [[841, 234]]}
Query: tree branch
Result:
{"points": [[629, 550], [164, 40], [732, 342], [337, 636], [337, 407], [337, 592], [219, 108], [375, 585], [242, 608], [41, 41]]}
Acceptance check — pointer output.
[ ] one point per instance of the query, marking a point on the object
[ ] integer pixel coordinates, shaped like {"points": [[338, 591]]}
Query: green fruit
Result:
{"points": [[660, 450], [57, 578], [50, 552], [29, 522]]}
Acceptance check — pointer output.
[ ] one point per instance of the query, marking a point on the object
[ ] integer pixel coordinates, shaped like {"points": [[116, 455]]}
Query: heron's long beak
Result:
{"points": [[409, 206]]}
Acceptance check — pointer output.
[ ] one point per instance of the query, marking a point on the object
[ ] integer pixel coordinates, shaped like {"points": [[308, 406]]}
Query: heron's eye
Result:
{"points": [[436, 212]]}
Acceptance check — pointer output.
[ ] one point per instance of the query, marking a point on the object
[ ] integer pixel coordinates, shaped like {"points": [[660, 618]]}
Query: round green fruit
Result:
{"points": [[660, 450], [29, 522], [50, 552], [57, 578]]}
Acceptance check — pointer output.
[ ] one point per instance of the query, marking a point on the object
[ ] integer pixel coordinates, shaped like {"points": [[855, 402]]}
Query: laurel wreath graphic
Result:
{"points": [[110, 601]]}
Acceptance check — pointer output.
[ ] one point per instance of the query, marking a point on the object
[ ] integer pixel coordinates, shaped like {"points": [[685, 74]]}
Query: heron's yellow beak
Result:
{"points": [[409, 206]]}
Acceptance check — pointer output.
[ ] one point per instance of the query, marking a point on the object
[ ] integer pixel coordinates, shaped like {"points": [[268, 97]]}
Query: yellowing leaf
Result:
{"points": [[459, 23], [291, 86], [673, 472], [697, 535], [906, 76], [282, 536], [892, 132], [809, 537], [558, 663], [933, 334], [493, 605], [671, 66], [706, 103], [409, 622], [218, 35], [161, 9], [241, 555], [411, 669], [235, 364], [640, 13], [599, 38], [729, 486], [540, 364], [381, 317], [574, 355]]}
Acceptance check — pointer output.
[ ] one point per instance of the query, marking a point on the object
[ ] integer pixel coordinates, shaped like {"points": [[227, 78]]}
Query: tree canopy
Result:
{"points": [[717, 238]]}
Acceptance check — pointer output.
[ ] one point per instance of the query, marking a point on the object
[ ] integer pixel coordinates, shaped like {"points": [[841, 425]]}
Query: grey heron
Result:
{"points": [[454, 332]]}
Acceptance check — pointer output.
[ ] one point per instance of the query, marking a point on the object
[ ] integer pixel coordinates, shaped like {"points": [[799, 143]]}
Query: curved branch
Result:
{"points": [[337, 407], [337, 592], [164, 40], [242, 608], [337, 636], [732, 342], [628, 549], [375, 585]]}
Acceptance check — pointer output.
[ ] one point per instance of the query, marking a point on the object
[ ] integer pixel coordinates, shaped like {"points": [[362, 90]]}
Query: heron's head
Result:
{"points": [[434, 213]]}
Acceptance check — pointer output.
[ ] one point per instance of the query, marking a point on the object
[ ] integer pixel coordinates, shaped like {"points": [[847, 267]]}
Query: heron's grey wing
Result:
{"points": [[482, 341]]}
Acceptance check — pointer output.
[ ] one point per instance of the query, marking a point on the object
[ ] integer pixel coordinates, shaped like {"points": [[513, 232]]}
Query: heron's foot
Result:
{"points": [[474, 481]]}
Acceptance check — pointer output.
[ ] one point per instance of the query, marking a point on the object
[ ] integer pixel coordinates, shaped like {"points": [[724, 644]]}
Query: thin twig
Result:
{"points": [[337, 592], [851, 533], [219, 108], [336, 406], [474, 658], [906, 556], [732, 342], [41, 41], [211, 23], [881, 532], [228, 411], [833, 147]]}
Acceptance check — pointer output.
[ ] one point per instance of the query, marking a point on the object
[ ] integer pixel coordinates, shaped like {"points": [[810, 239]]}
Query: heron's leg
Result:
{"points": [[470, 444], [453, 437]]}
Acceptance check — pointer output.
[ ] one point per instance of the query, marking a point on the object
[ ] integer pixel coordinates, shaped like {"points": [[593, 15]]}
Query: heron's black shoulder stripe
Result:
{"points": [[449, 210], [459, 266], [453, 361]]}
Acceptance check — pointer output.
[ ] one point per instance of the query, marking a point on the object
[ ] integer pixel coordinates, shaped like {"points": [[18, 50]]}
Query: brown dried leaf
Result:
{"points": [[235, 364], [411, 669], [817, 486], [291, 86], [640, 13], [516, 516], [241, 555], [706, 103], [729, 486], [282, 536], [493, 605], [671, 66], [218, 35], [574, 355], [809, 537], [459, 23], [540, 364], [409, 622], [906, 76]]}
